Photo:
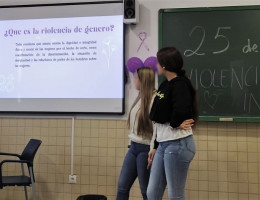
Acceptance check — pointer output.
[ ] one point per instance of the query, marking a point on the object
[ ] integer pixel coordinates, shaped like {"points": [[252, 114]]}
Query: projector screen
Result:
{"points": [[62, 58]]}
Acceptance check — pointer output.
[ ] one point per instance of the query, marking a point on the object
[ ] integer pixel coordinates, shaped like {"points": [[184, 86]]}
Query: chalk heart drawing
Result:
{"points": [[210, 99]]}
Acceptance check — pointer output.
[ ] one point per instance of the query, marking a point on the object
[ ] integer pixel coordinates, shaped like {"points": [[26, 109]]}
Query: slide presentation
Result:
{"points": [[62, 64]]}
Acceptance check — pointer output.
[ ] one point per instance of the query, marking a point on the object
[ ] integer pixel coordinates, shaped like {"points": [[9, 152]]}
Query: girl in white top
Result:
{"points": [[137, 161], [141, 134]]}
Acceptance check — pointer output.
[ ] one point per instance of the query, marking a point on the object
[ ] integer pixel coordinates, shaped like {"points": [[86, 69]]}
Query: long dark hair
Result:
{"points": [[170, 58]]}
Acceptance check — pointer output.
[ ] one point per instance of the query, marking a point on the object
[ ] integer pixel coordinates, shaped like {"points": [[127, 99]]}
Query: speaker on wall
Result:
{"points": [[131, 11]]}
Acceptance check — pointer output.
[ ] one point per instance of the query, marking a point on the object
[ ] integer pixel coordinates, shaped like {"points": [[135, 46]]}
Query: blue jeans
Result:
{"points": [[135, 165], [170, 167]]}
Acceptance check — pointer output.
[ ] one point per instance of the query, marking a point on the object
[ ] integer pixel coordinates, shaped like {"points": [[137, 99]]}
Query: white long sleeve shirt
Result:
{"points": [[134, 114]]}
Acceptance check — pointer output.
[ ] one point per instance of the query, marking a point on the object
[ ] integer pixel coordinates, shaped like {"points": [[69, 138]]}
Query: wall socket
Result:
{"points": [[72, 179]]}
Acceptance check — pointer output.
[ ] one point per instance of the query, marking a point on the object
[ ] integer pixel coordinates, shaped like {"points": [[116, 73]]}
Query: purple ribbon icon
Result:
{"points": [[142, 36]]}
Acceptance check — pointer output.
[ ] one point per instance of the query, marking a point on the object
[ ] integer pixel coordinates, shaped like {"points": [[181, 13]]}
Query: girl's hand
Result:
{"points": [[150, 157], [187, 124]]}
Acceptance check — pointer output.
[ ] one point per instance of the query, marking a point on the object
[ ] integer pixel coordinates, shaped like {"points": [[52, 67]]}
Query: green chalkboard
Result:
{"points": [[221, 52]]}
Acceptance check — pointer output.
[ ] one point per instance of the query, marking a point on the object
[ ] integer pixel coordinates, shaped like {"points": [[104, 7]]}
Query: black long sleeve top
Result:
{"points": [[173, 102]]}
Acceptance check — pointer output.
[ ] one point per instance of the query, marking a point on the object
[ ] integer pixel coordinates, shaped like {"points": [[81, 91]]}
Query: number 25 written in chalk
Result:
{"points": [[248, 48], [218, 35]]}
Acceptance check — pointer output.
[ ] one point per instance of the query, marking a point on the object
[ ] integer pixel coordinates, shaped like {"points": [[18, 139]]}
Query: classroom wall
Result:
{"points": [[226, 166]]}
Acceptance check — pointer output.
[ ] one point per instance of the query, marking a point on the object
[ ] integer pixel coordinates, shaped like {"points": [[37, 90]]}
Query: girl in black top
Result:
{"points": [[174, 103]]}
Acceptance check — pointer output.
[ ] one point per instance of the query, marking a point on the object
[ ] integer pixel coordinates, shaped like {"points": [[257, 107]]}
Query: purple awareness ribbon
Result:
{"points": [[142, 36]]}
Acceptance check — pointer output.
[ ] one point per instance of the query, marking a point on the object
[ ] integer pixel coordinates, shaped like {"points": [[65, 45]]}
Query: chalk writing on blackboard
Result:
{"points": [[220, 48], [219, 35]]}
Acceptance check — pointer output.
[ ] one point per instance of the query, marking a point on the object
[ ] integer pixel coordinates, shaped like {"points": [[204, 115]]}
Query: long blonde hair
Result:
{"points": [[147, 81]]}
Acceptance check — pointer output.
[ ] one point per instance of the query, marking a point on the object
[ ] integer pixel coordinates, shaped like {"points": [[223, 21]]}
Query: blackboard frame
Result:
{"points": [[207, 9]]}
